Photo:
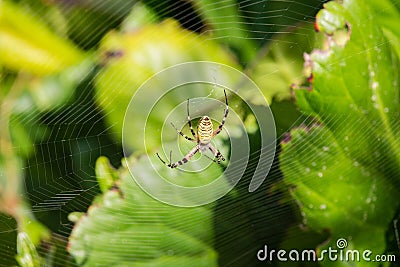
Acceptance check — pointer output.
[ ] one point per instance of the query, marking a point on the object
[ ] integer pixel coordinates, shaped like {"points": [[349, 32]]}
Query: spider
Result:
{"points": [[202, 138]]}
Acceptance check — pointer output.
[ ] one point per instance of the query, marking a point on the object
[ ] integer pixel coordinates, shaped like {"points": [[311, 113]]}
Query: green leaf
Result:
{"points": [[226, 23], [128, 227], [345, 167], [336, 192], [30, 235], [29, 45], [27, 254], [35, 230], [138, 56], [105, 174], [98, 19], [330, 19], [282, 65], [139, 16]]}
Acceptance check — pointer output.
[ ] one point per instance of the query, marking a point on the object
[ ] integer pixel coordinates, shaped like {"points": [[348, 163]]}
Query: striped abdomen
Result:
{"points": [[205, 130]]}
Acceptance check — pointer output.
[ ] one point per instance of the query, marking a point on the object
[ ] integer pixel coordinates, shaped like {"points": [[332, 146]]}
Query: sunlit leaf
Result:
{"points": [[133, 57], [28, 44], [27, 254], [105, 174]]}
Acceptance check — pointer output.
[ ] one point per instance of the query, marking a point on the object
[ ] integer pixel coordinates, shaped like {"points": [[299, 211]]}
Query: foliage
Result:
{"points": [[145, 232], [167, 43], [68, 70], [27, 254], [35, 48], [343, 167]]}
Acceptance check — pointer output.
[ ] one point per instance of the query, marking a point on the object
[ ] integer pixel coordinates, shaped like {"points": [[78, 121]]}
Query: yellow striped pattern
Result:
{"points": [[205, 130]]}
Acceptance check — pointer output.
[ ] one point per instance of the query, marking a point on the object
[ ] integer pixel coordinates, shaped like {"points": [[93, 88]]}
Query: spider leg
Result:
{"points": [[182, 134], [219, 129], [210, 158], [170, 158], [216, 153], [161, 159], [188, 156], [189, 121]]}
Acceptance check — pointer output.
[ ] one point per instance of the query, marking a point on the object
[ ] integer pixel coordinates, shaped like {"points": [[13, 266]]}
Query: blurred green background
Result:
{"points": [[68, 70]]}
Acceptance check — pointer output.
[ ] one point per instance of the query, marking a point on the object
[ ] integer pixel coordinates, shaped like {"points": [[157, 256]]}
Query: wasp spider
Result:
{"points": [[202, 138]]}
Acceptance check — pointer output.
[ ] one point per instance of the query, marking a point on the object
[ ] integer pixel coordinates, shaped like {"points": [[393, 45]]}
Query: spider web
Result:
{"points": [[59, 172]]}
